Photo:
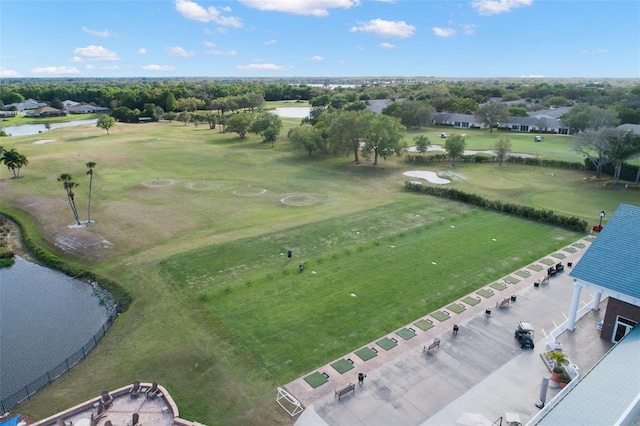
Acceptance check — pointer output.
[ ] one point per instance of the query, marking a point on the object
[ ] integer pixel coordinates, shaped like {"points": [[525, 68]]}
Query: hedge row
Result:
{"points": [[544, 216], [118, 293]]}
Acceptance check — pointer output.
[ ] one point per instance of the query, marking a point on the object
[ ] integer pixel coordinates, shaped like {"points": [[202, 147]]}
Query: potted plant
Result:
{"points": [[564, 380], [560, 360]]}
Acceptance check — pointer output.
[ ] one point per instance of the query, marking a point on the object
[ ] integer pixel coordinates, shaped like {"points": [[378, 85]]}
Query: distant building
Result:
{"points": [[45, 112], [87, 109]]}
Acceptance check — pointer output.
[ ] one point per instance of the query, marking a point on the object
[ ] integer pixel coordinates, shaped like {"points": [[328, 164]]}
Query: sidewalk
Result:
{"points": [[481, 370]]}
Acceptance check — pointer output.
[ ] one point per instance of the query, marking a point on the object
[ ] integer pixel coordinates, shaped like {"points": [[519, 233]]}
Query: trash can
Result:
{"points": [[513, 298], [289, 253]]}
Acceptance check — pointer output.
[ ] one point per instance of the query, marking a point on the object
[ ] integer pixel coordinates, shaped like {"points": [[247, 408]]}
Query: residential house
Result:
{"points": [[46, 111], [87, 109], [69, 103], [29, 104], [461, 121], [635, 128]]}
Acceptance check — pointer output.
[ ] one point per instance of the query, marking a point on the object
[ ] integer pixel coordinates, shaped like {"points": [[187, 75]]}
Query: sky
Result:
{"points": [[320, 38]]}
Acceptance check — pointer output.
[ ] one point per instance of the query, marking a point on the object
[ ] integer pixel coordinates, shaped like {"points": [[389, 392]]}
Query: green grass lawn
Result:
{"points": [[199, 224]]}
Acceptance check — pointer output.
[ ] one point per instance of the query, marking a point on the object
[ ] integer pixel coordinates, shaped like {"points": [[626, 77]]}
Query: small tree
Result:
{"points": [[492, 114], [105, 122], [69, 184], [239, 123], [422, 144], [502, 147], [185, 117], [454, 146]]}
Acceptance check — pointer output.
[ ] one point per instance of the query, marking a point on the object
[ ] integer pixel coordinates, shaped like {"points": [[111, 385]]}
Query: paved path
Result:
{"points": [[480, 370]]}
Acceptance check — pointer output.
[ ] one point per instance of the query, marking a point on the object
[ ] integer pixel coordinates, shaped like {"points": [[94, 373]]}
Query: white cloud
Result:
{"points": [[384, 28], [103, 33], [264, 67], [208, 44], [222, 52], [270, 42], [469, 29], [8, 73], [317, 58], [387, 46], [142, 51], [532, 76], [443, 32], [76, 59], [301, 7], [55, 70], [96, 53], [495, 7], [106, 67], [192, 10], [595, 52], [154, 67], [179, 51]]}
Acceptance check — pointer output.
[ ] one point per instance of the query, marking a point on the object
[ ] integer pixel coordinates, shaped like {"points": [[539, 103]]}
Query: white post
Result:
{"points": [[596, 301], [573, 309]]}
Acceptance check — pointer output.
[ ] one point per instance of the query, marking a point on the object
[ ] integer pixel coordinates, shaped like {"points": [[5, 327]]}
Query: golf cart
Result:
{"points": [[524, 334]]}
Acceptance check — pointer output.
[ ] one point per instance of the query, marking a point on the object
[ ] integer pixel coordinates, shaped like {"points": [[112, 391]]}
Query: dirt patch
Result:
{"points": [[58, 228], [299, 200]]}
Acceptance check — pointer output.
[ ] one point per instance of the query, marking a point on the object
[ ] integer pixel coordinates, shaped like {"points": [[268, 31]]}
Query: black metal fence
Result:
{"points": [[47, 378]]}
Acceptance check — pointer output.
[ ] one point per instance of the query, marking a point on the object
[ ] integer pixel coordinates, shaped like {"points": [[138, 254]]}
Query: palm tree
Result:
{"points": [[69, 184], [90, 165], [14, 161]]}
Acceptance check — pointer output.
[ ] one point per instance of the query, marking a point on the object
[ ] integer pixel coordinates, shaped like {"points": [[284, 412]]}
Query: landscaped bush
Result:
{"points": [[531, 213]]}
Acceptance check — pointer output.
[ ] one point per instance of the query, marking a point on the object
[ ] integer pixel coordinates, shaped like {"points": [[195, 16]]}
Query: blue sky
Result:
{"points": [[319, 38]]}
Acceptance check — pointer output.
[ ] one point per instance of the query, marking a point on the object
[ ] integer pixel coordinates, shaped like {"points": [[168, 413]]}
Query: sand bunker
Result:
{"points": [[428, 176], [157, 183], [43, 141], [440, 148], [299, 200], [249, 191]]}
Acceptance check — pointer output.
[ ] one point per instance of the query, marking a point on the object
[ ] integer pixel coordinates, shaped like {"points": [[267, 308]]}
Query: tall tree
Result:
{"points": [[603, 146], [492, 114], [347, 130], [383, 136], [502, 148], [170, 103], [91, 166], [454, 146], [69, 184], [306, 138], [105, 122], [623, 145], [14, 161]]}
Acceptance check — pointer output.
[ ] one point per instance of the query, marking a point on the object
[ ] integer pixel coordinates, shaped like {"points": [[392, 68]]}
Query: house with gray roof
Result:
{"points": [[635, 128], [460, 121]]}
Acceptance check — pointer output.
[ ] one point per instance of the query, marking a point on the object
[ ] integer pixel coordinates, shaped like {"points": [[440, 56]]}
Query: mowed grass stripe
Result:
{"points": [[315, 318]]}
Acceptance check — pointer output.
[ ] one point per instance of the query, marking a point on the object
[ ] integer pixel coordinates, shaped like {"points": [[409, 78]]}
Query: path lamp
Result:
{"points": [[602, 214]]}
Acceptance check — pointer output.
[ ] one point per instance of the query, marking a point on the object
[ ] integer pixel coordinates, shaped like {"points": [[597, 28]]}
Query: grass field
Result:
{"points": [[197, 224]]}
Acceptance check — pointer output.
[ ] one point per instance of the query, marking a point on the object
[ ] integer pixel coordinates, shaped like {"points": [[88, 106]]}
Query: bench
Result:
{"points": [[503, 304], [342, 392], [434, 345]]}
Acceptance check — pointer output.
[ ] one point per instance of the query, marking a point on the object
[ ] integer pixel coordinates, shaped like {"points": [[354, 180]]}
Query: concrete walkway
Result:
{"points": [[481, 370]]}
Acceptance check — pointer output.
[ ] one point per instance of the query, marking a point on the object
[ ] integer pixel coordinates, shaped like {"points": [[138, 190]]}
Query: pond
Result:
{"points": [[45, 317], [34, 129]]}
